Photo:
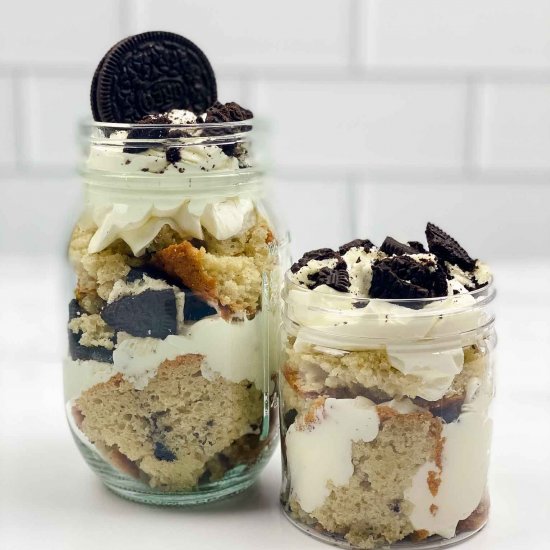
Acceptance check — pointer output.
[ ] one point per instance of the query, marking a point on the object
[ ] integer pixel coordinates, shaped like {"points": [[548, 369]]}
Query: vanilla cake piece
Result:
{"points": [[169, 430]]}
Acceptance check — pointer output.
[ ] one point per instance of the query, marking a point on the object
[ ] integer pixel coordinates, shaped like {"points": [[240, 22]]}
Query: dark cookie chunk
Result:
{"points": [[401, 277], [391, 247], [173, 154], [147, 133], [337, 278], [75, 310], [447, 408], [418, 246], [230, 112], [87, 353], [78, 351], [447, 249], [365, 244], [194, 308], [151, 313], [289, 417], [162, 452], [319, 254], [152, 72], [137, 273]]}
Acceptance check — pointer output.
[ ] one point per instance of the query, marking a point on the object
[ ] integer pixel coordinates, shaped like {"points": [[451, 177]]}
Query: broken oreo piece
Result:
{"points": [[365, 244], [195, 308], [401, 277], [162, 452], [289, 417], [80, 352], [147, 133], [150, 313], [392, 247], [337, 278], [418, 246], [87, 353], [318, 254], [446, 248], [228, 112], [173, 155], [152, 72], [75, 310]]}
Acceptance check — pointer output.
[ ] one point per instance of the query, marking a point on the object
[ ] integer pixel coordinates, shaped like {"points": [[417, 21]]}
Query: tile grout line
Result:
{"points": [[355, 33], [18, 119], [471, 126]]}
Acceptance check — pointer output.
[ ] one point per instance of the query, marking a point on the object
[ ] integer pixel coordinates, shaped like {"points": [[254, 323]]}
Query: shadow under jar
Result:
{"points": [[385, 417], [169, 385]]}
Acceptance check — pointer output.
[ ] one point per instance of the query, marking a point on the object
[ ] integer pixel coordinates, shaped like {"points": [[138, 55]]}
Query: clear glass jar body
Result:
{"points": [[170, 380], [385, 422]]}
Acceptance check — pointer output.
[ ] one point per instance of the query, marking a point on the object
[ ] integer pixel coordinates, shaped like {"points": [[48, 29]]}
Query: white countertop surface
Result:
{"points": [[49, 499]]}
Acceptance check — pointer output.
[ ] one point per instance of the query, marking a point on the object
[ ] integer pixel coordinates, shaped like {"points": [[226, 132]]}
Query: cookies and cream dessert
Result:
{"points": [[167, 377], [386, 388]]}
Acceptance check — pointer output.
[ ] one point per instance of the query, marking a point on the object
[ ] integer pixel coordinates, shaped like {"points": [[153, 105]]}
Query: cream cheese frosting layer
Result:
{"points": [[236, 355], [465, 463], [138, 222]]}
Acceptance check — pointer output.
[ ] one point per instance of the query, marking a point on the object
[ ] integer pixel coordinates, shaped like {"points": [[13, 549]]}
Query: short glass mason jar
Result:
{"points": [[385, 424], [170, 379]]}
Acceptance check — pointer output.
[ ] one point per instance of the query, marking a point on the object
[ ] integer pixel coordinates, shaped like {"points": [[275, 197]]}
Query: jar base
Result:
{"points": [[179, 499], [236, 481], [428, 544]]}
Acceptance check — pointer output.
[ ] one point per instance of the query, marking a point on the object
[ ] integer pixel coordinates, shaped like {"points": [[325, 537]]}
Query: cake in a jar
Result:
{"points": [[168, 377], [385, 391]]}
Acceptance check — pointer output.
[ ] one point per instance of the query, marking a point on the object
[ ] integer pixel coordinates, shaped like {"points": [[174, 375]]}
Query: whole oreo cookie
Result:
{"points": [[152, 72]]}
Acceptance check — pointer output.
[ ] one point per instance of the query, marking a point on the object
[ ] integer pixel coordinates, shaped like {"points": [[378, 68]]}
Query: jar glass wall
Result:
{"points": [[170, 385], [385, 417]]}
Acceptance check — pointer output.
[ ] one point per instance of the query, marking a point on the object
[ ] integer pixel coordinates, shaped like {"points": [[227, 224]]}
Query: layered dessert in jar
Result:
{"points": [[168, 383], [385, 392]]}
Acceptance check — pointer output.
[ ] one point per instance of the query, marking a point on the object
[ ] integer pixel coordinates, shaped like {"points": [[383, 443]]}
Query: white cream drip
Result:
{"points": [[465, 462], [321, 452]]}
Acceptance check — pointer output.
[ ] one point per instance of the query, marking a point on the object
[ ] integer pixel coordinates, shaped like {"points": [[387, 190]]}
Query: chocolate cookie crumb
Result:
{"points": [[173, 154]]}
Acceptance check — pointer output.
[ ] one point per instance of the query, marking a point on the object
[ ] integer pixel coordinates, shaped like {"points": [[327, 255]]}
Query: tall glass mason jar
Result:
{"points": [[170, 377], [385, 416]]}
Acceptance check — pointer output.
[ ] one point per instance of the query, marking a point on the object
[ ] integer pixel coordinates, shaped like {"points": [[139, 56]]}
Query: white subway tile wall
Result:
{"points": [[383, 113]]}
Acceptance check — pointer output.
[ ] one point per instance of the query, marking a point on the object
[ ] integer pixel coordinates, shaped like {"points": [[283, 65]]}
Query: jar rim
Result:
{"points": [[87, 123]]}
